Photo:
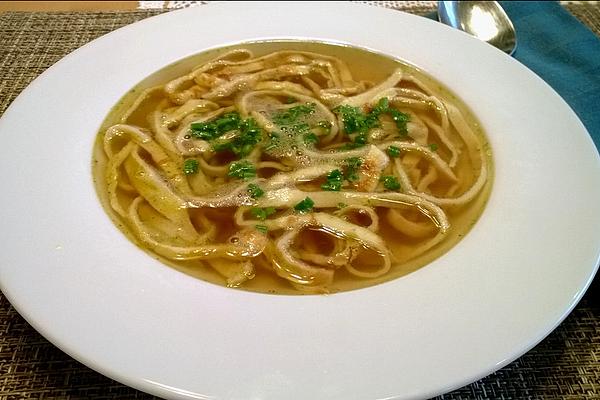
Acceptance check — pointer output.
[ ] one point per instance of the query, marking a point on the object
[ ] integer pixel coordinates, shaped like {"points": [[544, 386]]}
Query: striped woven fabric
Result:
{"points": [[566, 365]]}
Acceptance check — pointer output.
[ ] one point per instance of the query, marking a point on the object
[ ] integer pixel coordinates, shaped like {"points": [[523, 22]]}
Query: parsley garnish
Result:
{"points": [[242, 145], [393, 151], [242, 170], [352, 166], [334, 181], [292, 114], [304, 206], [390, 182], [250, 133], [255, 191], [359, 141], [217, 127], [341, 205], [273, 142], [355, 121], [433, 146], [310, 138], [262, 228], [400, 119], [383, 107], [190, 166], [262, 213], [291, 120]]}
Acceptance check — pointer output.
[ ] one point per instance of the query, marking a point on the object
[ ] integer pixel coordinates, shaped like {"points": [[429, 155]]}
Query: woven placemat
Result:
{"points": [[566, 365]]}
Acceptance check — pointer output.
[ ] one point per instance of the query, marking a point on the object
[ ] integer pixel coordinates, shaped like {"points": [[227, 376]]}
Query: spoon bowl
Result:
{"points": [[486, 20]]}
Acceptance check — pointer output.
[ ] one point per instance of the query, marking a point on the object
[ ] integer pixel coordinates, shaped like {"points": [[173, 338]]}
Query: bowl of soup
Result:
{"points": [[293, 167], [295, 201]]}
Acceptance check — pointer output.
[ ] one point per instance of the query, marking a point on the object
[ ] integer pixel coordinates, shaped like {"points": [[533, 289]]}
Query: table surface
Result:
{"points": [[565, 365]]}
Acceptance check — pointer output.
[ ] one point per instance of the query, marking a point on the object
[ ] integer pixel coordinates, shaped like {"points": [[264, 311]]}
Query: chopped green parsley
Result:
{"points": [[293, 114], [190, 166], [390, 182], [242, 170], [213, 129], [262, 229], [273, 142], [393, 151], [262, 213], [352, 166], [255, 191], [356, 121], [334, 181], [304, 206], [310, 138], [241, 145]]}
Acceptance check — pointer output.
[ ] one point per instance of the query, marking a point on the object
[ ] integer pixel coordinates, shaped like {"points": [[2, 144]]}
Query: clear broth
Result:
{"points": [[364, 65]]}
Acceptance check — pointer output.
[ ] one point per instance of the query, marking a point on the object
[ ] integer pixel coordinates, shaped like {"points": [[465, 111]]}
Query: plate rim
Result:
{"points": [[14, 299]]}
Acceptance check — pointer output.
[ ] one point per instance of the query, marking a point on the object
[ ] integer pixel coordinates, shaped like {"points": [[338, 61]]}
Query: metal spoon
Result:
{"points": [[486, 20]]}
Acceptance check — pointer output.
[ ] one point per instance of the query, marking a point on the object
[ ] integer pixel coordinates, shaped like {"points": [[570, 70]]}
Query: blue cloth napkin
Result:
{"points": [[563, 52]]}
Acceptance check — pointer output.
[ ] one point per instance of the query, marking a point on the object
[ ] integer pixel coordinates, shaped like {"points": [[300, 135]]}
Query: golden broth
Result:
{"points": [[314, 243]]}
